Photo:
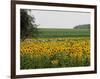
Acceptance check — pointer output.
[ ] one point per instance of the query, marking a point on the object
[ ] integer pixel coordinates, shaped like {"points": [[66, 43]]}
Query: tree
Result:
{"points": [[83, 26], [28, 26]]}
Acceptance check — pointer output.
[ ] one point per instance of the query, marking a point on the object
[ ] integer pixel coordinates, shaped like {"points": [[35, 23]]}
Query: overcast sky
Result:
{"points": [[58, 19]]}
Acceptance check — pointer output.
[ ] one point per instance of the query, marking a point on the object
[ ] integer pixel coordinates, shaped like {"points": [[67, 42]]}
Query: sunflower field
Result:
{"points": [[54, 52]]}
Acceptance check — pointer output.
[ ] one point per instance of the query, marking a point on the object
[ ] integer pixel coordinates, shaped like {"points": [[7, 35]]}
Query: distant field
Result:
{"points": [[45, 32]]}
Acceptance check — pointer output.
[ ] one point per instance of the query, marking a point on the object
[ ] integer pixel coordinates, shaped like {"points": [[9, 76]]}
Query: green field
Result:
{"points": [[47, 32]]}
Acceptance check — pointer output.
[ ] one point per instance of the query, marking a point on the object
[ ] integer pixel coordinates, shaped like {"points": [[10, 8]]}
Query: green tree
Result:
{"points": [[28, 26], [83, 26]]}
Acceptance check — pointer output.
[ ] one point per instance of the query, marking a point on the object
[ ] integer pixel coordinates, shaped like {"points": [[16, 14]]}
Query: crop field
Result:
{"points": [[63, 32], [56, 48]]}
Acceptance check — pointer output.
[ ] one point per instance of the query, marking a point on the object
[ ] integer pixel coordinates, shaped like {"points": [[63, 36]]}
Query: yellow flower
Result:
{"points": [[71, 47], [55, 62]]}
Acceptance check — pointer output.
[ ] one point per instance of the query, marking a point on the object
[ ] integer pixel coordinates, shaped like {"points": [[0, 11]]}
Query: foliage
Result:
{"points": [[28, 26], [84, 26]]}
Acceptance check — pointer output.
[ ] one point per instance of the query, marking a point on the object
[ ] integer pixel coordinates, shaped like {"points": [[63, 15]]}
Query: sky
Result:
{"points": [[60, 19]]}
